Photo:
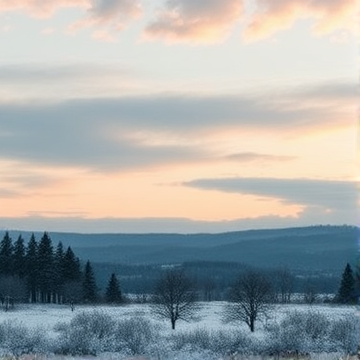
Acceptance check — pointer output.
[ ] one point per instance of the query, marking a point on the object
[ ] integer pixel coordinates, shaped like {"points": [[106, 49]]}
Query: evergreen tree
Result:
{"points": [[346, 293], [47, 272], [59, 269], [59, 257], [357, 278], [6, 252], [71, 266], [113, 292], [19, 258], [89, 284], [32, 269]]}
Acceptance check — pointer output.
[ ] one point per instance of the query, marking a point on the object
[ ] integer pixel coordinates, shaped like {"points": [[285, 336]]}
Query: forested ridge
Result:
{"points": [[37, 272]]}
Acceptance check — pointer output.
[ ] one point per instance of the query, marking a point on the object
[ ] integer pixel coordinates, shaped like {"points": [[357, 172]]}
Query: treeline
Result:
{"points": [[37, 272]]}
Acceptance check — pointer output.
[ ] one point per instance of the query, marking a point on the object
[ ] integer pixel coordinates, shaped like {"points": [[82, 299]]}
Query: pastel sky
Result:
{"points": [[178, 115]]}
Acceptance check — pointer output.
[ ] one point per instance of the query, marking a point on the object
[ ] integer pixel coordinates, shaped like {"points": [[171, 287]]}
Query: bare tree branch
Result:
{"points": [[175, 297], [249, 298]]}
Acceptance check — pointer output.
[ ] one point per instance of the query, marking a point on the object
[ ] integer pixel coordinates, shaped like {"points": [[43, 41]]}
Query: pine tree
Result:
{"points": [[32, 269], [357, 278], [59, 257], [19, 258], [113, 292], [346, 293], [58, 276], [47, 272], [71, 266], [6, 252], [89, 284]]}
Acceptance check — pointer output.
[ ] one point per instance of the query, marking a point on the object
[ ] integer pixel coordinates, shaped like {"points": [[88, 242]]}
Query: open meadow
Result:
{"points": [[322, 332]]}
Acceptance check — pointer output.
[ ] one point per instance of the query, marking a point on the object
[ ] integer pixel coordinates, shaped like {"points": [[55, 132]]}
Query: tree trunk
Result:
{"points": [[252, 325], [173, 324]]}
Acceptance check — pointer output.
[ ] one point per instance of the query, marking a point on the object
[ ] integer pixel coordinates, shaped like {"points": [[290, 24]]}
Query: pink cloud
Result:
{"points": [[212, 20], [109, 15], [200, 20], [40, 8], [274, 15]]}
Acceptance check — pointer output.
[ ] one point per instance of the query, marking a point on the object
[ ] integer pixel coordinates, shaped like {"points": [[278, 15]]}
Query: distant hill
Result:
{"points": [[312, 248]]}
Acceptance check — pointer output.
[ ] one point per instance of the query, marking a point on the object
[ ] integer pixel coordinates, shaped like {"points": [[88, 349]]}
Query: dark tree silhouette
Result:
{"points": [[6, 252], [72, 292], [346, 293], [59, 257], [12, 290], [249, 298], [32, 268], [89, 284], [113, 292], [47, 271], [71, 266], [58, 275], [175, 297], [41, 272], [19, 258]]}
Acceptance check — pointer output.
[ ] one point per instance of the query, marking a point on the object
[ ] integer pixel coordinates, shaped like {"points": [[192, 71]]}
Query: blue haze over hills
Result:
{"points": [[318, 248]]}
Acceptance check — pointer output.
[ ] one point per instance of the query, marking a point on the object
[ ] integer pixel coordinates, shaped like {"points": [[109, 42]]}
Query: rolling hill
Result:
{"points": [[312, 248]]}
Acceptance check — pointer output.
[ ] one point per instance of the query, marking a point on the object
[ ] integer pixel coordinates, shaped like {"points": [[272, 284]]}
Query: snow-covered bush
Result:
{"points": [[299, 332], [88, 333], [218, 342], [345, 334], [16, 339], [135, 335], [312, 332]]}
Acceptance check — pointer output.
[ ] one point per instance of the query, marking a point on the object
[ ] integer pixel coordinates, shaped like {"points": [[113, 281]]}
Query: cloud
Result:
{"points": [[24, 180], [326, 194], [133, 132], [111, 16], [82, 224], [27, 74], [72, 143], [212, 20], [329, 90], [256, 157], [40, 8], [65, 80], [271, 16], [200, 21]]}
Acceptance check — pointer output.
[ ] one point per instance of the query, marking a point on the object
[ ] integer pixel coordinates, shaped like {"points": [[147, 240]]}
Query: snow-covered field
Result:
{"points": [[209, 317], [48, 317]]}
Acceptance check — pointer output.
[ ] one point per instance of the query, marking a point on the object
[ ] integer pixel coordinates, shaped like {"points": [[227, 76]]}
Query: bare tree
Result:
{"points": [[175, 297], [249, 298]]}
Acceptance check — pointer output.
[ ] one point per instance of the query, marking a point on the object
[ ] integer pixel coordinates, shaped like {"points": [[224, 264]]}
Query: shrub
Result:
{"points": [[345, 334], [16, 339], [87, 334], [135, 335], [218, 342], [299, 332]]}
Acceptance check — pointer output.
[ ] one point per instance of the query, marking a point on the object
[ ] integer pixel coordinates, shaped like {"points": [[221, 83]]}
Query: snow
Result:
{"points": [[209, 318]]}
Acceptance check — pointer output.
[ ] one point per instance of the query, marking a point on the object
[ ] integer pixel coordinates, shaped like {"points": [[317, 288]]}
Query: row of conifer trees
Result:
{"points": [[39, 273]]}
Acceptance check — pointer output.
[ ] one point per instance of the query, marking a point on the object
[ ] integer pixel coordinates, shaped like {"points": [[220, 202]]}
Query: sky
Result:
{"points": [[178, 115]]}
